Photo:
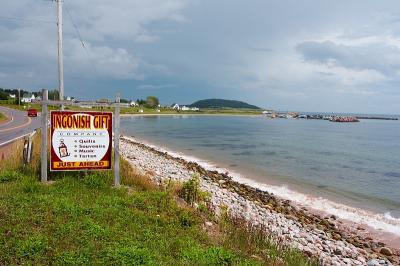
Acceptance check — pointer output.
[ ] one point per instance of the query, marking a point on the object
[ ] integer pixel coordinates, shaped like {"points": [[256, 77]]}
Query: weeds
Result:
{"points": [[239, 235], [191, 191], [81, 219]]}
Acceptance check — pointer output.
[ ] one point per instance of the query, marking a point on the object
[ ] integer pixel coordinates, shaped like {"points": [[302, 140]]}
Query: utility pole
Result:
{"points": [[19, 97], [60, 51]]}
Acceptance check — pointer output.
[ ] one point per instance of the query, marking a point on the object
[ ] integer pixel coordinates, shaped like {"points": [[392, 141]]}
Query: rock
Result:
{"points": [[373, 262], [386, 251], [307, 251], [366, 245], [208, 224], [361, 259], [338, 251], [336, 236]]}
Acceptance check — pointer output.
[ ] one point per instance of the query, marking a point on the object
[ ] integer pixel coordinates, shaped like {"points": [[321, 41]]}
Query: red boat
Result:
{"points": [[345, 119]]}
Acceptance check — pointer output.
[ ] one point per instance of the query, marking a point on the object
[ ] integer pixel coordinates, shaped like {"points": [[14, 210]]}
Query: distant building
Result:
{"points": [[28, 98], [158, 110], [12, 96], [176, 107], [185, 108], [36, 100], [134, 104], [140, 111], [103, 100]]}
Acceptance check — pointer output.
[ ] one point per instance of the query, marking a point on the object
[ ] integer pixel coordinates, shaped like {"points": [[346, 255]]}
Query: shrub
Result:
{"points": [[7, 176], [186, 219], [191, 190]]}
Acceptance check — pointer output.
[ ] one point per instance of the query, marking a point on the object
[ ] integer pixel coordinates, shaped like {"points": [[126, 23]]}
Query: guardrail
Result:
{"points": [[15, 139]]}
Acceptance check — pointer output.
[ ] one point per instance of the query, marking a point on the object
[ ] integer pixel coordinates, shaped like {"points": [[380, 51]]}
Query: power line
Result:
{"points": [[29, 20], [81, 39]]}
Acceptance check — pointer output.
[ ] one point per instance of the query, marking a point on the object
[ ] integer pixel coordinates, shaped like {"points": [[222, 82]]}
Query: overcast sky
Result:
{"points": [[318, 55]]}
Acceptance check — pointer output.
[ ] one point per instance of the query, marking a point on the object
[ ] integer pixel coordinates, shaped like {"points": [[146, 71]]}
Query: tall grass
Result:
{"points": [[239, 235], [2, 117], [81, 219]]}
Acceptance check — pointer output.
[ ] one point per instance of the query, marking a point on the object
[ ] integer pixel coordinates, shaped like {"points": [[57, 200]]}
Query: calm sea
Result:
{"points": [[357, 164]]}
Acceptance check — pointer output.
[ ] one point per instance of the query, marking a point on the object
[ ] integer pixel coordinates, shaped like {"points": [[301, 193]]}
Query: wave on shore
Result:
{"points": [[382, 222]]}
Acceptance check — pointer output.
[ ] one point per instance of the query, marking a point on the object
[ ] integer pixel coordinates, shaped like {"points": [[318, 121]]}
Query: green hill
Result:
{"points": [[221, 103]]}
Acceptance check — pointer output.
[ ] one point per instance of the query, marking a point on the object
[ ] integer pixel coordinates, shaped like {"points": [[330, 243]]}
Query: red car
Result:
{"points": [[32, 112]]}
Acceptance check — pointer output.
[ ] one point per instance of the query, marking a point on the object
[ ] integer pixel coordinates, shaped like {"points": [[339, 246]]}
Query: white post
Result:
{"points": [[117, 180], [43, 153], [60, 51]]}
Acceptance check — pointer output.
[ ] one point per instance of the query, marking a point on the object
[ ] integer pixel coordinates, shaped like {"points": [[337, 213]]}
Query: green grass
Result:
{"points": [[135, 110], [2, 117], [80, 219]]}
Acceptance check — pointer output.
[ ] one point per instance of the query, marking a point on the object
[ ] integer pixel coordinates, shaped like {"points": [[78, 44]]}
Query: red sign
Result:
{"points": [[80, 140]]}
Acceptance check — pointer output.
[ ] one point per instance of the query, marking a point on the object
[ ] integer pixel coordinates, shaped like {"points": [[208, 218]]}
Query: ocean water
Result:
{"points": [[315, 162]]}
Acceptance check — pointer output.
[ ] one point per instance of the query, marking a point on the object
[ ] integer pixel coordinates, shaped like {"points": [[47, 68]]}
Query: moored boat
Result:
{"points": [[346, 119]]}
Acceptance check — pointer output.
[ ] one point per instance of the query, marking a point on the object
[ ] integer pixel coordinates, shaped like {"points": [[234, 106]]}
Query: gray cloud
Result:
{"points": [[379, 56], [301, 55]]}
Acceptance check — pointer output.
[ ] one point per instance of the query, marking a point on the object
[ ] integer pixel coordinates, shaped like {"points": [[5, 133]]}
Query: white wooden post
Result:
{"points": [[43, 153], [117, 180], [60, 51]]}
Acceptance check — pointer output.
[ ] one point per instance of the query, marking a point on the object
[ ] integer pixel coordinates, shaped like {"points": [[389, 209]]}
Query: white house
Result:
{"points": [[134, 104], [185, 108], [267, 112], [176, 107], [12, 96], [141, 111], [28, 98]]}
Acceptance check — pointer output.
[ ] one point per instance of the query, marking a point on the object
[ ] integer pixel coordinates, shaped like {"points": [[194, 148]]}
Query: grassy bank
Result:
{"points": [[135, 110], [80, 219], [3, 118]]}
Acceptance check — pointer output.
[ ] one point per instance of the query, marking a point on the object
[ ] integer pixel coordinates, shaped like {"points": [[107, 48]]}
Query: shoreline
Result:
{"points": [[381, 222], [328, 238], [189, 114]]}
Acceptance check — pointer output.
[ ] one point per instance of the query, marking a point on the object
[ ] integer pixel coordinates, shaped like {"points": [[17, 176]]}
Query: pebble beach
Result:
{"points": [[318, 235]]}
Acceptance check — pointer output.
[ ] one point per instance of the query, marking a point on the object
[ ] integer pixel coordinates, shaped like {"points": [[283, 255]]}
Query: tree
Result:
{"points": [[140, 101], [53, 95], [124, 101], [152, 102], [3, 95]]}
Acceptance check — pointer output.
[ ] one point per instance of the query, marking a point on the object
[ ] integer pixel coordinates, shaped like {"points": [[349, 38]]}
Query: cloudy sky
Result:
{"points": [[317, 55]]}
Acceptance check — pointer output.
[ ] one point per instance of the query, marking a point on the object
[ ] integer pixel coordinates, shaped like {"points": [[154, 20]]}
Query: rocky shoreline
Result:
{"points": [[317, 236]]}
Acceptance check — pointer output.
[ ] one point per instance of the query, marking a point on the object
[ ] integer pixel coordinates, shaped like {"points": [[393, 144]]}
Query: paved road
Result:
{"points": [[19, 125]]}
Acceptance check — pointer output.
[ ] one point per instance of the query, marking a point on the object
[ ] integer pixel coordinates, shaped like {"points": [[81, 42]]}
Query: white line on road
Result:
{"points": [[14, 139]]}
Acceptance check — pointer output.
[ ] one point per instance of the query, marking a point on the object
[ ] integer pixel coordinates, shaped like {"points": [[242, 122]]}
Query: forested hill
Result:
{"points": [[221, 103]]}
